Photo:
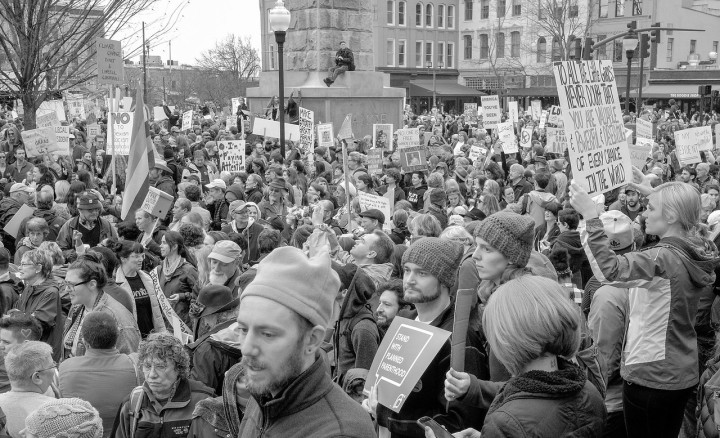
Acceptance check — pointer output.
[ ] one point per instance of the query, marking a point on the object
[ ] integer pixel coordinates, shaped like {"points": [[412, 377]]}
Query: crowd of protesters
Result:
{"points": [[593, 316]]}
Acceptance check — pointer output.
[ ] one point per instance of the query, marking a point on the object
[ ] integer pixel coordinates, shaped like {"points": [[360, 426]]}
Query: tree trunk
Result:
{"points": [[29, 108]]}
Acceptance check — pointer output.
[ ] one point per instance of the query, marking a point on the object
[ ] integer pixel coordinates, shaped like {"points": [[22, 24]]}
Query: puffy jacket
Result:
{"points": [[579, 264], [547, 404], [43, 302], [708, 415], [184, 282], [665, 283], [171, 421]]}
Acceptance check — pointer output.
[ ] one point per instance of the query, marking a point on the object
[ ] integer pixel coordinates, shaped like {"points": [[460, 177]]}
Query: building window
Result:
{"points": [[418, 54], [418, 14], [619, 8], [715, 46], [451, 17], [668, 54], [574, 10], [500, 49], [617, 51], [440, 55], [556, 51], [401, 53], [516, 7], [603, 9], [484, 9], [602, 50], [542, 12], [272, 57], [450, 56], [401, 13], [391, 12], [637, 7], [468, 10], [501, 8], [390, 53], [428, 53], [515, 44], [429, 15], [541, 50], [693, 45], [441, 16], [484, 46], [467, 46]]}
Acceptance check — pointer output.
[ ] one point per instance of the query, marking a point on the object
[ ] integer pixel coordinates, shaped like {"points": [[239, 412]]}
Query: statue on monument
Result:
{"points": [[344, 61]]}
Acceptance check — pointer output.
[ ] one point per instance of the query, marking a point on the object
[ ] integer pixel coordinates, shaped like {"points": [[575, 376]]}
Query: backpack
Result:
{"points": [[136, 398]]}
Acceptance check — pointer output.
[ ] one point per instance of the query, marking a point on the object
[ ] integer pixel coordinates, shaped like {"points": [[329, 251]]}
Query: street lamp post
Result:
{"points": [[280, 22], [630, 43]]}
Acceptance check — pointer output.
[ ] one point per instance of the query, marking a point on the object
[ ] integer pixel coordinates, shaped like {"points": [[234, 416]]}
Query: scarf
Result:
{"points": [[230, 395], [74, 346], [26, 242], [169, 269]]}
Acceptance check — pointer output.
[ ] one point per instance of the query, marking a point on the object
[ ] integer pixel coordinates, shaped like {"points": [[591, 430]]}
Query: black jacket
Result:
{"points": [[347, 58], [173, 119]]}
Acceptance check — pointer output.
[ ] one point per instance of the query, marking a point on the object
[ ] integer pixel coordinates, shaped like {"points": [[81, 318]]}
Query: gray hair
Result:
{"points": [[457, 232], [165, 347], [24, 360], [40, 258]]}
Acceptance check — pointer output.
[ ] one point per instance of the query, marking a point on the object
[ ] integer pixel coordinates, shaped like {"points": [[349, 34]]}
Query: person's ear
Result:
{"points": [[314, 339]]}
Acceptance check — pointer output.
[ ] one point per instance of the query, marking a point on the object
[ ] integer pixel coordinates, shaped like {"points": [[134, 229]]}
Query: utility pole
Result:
{"points": [[144, 64]]}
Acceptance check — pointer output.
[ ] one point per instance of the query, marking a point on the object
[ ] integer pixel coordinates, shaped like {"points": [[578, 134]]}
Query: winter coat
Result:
{"points": [[184, 281], [157, 421], [121, 281], [439, 214], [153, 244], [65, 236], [547, 404], [43, 302], [54, 221], [8, 292], [311, 405], [665, 283], [399, 235], [254, 195], [251, 233], [534, 204], [173, 119], [219, 211], [708, 415], [8, 208], [579, 264], [415, 196], [214, 353], [221, 416]]}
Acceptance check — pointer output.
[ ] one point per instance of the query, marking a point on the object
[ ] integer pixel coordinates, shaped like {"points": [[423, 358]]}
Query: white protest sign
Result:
{"points": [[382, 136], [62, 135], [513, 111], [470, 110], [187, 120], [407, 138], [702, 136], [594, 125], [325, 135], [369, 201], [39, 141], [271, 128], [474, 153], [526, 137], [687, 148], [491, 111], [543, 119], [109, 61], [307, 130], [554, 116], [556, 140], [232, 155], [643, 128], [46, 120], [535, 109], [159, 113], [93, 130], [506, 134], [76, 107], [639, 153], [121, 124], [55, 106]]}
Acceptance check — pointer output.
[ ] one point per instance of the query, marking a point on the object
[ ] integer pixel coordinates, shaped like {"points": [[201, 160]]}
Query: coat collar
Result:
{"points": [[179, 399]]}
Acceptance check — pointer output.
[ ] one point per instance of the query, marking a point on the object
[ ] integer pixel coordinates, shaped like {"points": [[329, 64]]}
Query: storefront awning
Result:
{"points": [[666, 91], [424, 88], [532, 92]]}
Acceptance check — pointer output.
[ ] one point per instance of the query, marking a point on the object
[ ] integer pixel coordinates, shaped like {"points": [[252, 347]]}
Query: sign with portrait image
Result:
{"points": [[383, 136], [325, 135]]}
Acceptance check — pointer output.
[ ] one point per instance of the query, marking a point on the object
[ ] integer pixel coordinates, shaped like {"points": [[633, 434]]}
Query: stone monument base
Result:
{"points": [[366, 95]]}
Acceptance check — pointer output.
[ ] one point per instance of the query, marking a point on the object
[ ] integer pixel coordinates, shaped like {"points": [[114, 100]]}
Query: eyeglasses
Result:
{"points": [[73, 286], [54, 365]]}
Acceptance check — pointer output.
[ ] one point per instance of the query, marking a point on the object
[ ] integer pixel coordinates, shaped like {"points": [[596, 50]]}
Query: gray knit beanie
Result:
{"points": [[65, 418], [438, 256], [509, 233]]}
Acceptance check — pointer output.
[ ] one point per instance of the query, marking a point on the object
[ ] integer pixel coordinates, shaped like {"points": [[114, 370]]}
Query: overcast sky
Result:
{"points": [[202, 23]]}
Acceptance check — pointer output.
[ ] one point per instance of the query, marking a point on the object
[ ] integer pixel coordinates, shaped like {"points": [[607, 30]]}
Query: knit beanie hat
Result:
{"points": [[438, 197], [305, 285], [509, 233], [65, 418], [438, 256]]}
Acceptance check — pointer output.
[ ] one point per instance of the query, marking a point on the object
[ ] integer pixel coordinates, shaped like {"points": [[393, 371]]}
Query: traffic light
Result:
{"points": [[655, 34], [578, 48], [644, 46], [632, 25], [587, 49], [704, 90]]}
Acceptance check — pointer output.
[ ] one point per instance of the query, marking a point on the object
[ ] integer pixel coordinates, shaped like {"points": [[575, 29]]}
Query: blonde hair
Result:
{"points": [[492, 187], [680, 200], [528, 317], [457, 232]]}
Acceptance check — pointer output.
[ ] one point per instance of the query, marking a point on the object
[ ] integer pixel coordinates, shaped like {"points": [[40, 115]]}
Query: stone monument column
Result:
{"points": [[318, 26]]}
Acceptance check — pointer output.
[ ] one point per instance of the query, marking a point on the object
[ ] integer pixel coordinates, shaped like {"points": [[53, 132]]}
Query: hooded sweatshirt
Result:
{"points": [[665, 282], [579, 265], [415, 197]]}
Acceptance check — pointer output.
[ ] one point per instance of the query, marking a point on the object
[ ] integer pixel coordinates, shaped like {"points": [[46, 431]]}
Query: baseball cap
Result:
{"points": [[217, 184], [238, 205], [88, 201], [226, 251], [374, 213], [20, 187], [619, 229]]}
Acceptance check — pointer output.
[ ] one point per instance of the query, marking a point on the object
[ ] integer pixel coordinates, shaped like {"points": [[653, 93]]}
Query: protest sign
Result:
{"points": [[554, 115], [383, 136], [556, 140], [491, 111], [93, 130], [687, 148], [593, 124], [307, 131], [76, 108], [470, 110], [535, 109], [39, 141], [55, 106], [159, 113], [187, 120], [375, 161], [157, 202], [406, 351], [506, 134], [126, 104], [62, 136], [325, 135], [408, 138], [369, 201], [271, 128], [474, 153], [122, 124], [643, 128], [412, 154], [461, 320], [513, 111], [526, 137], [702, 136], [13, 225], [543, 119], [234, 104], [232, 155], [109, 59], [639, 153], [46, 120]]}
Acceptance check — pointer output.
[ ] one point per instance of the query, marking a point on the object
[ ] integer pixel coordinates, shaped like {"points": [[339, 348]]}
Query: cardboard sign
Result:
{"points": [[463, 305], [383, 136], [413, 159], [369, 201], [506, 134], [62, 137], [406, 351], [639, 153], [109, 61], [536, 109], [594, 126], [643, 128], [13, 225], [55, 106], [554, 115], [702, 136], [474, 153], [346, 128], [47, 120], [470, 110], [76, 108], [526, 137], [157, 202], [513, 111], [39, 141], [232, 155], [491, 111], [187, 118], [687, 148], [407, 138], [375, 161], [271, 128], [307, 131], [93, 130], [543, 119], [325, 135], [122, 124], [556, 140]]}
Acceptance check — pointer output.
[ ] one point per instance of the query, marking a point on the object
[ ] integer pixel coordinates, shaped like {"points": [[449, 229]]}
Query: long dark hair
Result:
{"points": [[46, 177], [123, 248], [175, 239]]}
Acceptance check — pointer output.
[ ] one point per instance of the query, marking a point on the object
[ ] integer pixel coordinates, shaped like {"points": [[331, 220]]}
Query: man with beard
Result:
{"points": [[275, 204], [688, 175], [430, 268], [282, 321], [88, 228], [632, 207], [251, 230], [225, 261], [392, 303]]}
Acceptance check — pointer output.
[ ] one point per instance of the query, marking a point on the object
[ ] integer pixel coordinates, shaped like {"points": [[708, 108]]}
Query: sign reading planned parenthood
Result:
{"points": [[594, 127]]}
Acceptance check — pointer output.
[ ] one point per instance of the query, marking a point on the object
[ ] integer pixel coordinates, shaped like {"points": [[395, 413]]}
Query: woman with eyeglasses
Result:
{"points": [[85, 280]]}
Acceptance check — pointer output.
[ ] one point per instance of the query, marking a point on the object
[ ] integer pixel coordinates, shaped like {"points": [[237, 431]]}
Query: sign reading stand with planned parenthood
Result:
{"points": [[594, 127]]}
